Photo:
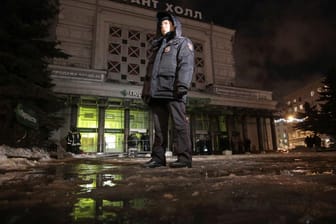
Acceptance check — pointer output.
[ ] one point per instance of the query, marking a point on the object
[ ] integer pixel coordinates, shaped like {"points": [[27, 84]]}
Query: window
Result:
{"points": [[134, 35], [114, 119], [139, 119], [150, 37], [202, 122], [113, 66], [199, 62], [115, 49], [133, 69], [88, 117], [200, 77], [115, 32], [198, 47], [133, 52]]}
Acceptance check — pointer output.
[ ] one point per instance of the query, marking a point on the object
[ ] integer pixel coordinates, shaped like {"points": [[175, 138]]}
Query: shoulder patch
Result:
{"points": [[167, 49], [190, 46]]}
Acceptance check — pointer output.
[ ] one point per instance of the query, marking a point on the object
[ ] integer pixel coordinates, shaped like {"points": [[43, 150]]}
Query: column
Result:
{"points": [[126, 124], [151, 129], [102, 103], [229, 129], [260, 135], [244, 127], [74, 111], [192, 122], [273, 132]]}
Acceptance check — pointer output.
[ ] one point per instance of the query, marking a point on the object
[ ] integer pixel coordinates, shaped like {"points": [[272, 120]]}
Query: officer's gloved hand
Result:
{"points": [[181, 91]]}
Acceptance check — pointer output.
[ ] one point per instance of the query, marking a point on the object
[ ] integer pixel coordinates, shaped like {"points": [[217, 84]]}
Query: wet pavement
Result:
{"points": [[255, 188]]}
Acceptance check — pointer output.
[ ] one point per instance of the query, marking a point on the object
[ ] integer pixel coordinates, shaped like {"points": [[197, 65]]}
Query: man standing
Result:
{"points": [[73, 141], [168, 78]]}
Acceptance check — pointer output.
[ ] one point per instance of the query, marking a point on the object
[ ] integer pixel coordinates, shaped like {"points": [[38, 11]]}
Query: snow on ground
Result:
{"points": [[21, 158]]}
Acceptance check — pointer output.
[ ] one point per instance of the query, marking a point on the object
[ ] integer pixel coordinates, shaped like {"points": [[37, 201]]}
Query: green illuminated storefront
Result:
{"points": [[105, 129]]}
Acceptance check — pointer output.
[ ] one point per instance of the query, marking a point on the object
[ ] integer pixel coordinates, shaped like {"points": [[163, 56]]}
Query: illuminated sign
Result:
{"points": [[165, 6], [132, 93]]}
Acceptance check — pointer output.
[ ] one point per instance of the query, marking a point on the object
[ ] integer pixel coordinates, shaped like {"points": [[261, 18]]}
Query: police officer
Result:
{"points": [[168, 78], [73, 141]]}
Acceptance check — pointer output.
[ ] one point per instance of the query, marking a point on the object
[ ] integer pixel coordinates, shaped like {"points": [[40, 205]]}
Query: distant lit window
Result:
{"points": [[295, 108], [319, 90], [294, 101], [289, 103], [312, 93], [301, 107]]}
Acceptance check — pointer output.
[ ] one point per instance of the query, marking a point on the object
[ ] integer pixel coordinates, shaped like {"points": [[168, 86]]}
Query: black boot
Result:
{"points": [[180, 164], [153, 164]]}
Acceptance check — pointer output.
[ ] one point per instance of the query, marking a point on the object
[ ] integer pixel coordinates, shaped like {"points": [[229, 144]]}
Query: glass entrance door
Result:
{"points": [[114, 142], [139, 126], [88, 126], [114, 130]]}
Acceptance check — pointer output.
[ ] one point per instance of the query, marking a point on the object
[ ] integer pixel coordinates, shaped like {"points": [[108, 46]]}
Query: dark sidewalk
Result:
{"points": [[255, 188]]}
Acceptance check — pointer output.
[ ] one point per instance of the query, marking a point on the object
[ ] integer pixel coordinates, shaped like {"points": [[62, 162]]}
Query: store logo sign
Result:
{"points": [[131, 93]]}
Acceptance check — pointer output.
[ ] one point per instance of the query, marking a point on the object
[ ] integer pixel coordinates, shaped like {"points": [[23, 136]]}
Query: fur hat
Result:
{"points": [[164, 16]]}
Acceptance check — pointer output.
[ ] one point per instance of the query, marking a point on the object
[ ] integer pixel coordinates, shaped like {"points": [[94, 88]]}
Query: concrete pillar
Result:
{"points": [[126, 124], [74, 111], [229, 129], [151, 129], [260, 134], [273, 132], [244, 128], [102, 103]]}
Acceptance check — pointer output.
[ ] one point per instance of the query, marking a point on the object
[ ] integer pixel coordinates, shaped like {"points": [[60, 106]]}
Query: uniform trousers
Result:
{"points": [[176, 110]]}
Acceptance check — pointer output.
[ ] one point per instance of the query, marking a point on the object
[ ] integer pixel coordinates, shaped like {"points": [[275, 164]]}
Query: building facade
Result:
{"points": [[288, 136], [109, 43]]}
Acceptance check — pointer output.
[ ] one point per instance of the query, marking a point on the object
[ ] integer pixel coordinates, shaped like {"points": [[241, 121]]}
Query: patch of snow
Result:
{"points": [[21, 158]]}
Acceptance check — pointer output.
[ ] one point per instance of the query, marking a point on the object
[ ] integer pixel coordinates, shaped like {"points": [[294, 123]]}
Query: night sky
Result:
{"points": [[279, 44]]}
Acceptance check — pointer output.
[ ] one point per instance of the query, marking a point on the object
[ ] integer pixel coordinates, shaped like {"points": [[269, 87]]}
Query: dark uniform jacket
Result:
{"points": [[170, 69]]}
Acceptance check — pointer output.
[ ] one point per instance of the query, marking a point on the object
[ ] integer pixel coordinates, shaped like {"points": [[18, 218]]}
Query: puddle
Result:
{"points": [[73, 182], [93, 181], [220, 191], [93, 210]]}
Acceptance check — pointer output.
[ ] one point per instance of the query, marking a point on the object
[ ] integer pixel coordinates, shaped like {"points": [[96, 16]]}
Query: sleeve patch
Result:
{"points": [[190, 46]]}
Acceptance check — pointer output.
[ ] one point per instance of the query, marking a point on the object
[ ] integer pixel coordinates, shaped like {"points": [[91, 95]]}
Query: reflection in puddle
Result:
{"points": [[98, 180], [89, 210], [93, 210]]}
